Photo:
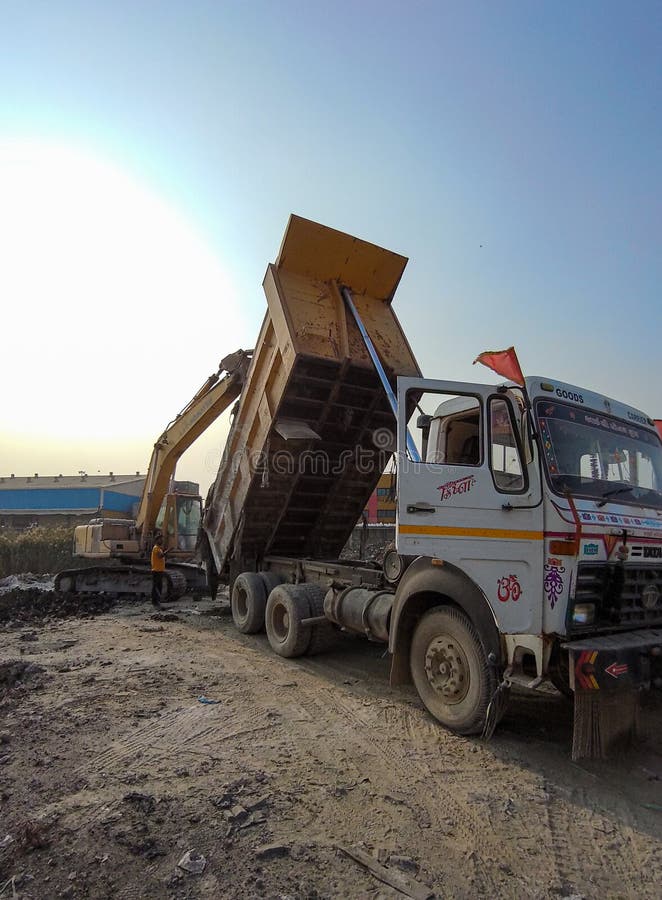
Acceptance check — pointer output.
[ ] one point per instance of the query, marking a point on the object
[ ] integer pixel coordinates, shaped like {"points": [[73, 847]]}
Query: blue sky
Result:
{"points": [[511, 150]]}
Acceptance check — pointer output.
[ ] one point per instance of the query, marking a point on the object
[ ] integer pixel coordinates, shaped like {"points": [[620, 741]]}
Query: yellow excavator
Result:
{"points": [[166, 507]]}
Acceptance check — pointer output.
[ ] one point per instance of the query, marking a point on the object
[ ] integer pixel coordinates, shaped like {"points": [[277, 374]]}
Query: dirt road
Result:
{"points": [[112, 767]]}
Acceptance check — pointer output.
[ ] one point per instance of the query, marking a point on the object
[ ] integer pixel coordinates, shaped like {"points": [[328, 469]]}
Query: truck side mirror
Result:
{"points": [[423, 422]]}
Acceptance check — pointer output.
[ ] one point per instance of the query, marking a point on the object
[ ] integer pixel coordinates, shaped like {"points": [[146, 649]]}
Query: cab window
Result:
{"points": [[446, 427], [506, 463]]}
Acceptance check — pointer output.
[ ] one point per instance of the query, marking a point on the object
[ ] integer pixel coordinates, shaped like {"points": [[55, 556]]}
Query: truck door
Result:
{"points": [[474, 498]]}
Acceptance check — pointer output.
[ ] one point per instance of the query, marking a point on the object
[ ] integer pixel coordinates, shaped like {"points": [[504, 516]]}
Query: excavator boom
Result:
{"points": [[213, 398]]}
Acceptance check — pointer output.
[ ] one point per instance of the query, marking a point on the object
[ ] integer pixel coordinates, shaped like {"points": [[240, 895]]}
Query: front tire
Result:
{"points": [[450, 670]]}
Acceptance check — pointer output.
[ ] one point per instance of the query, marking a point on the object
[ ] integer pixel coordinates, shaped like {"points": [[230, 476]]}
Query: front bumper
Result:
{"points": [[614, 662]]}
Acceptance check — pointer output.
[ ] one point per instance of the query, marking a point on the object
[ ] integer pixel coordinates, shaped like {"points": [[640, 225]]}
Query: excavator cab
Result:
{"points": [[178, 520]]}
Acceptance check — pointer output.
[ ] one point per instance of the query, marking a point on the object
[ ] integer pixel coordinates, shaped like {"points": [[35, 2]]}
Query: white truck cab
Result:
{"points": [[537, 515]]}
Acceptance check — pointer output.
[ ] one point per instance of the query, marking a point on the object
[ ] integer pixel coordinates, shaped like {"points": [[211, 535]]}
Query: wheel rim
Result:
{"points": [[241, 603], [447, 669], [281, 622]]}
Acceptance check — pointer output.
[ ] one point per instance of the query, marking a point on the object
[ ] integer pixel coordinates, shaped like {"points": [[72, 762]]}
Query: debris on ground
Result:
{"points": [[18, 606], [145, 802], [192, 862], [271, 851], [14, 673], [26, 582], [165, 617], [33, 835], [392, 877]]}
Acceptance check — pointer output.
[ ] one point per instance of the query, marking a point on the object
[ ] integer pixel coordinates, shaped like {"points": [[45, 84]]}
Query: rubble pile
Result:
{"points": [[22, 605]]}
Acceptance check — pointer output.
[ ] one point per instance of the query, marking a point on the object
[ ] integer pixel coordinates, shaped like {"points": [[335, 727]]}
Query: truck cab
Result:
{"points": [[538, 514]]}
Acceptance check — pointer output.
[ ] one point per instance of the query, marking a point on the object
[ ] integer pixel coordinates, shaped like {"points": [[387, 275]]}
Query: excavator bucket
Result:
{"points": [[306, 447]]}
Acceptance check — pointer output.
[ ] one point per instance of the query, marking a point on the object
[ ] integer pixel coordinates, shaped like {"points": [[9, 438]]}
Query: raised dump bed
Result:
{"points": [[308, 442]]}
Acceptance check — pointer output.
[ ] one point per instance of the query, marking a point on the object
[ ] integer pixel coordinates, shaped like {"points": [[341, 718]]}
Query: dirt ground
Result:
{"points": [[113, 764]]}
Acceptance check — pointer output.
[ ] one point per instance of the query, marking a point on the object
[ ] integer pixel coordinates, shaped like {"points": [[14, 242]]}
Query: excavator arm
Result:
{"points": [[215, 395]]}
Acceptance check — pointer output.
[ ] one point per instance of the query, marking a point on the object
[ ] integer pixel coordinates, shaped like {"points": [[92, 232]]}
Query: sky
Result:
{"points": [[151, 153]]}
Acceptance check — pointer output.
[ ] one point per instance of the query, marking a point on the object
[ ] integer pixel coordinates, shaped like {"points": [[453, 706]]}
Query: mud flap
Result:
{"points": [[607, 674], [495, 709], [604, 721]]}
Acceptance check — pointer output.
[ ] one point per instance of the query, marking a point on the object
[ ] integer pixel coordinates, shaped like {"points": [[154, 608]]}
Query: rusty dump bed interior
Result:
{"points": [[302, 459]]}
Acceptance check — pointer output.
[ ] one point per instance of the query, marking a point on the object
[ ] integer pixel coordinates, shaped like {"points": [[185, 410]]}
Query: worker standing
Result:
{"points": [[158, 568]]}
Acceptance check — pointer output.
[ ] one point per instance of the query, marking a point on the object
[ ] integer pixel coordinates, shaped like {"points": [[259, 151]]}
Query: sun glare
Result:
{"points": [[106, 292]]}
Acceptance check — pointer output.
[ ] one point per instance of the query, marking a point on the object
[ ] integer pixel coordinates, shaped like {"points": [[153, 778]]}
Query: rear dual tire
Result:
{"points": [[248, 602], [259, 600], [288, 606], [249, 599]]}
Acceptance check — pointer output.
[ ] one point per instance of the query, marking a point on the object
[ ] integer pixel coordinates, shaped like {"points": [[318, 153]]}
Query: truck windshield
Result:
{"points": [[598, 456]]}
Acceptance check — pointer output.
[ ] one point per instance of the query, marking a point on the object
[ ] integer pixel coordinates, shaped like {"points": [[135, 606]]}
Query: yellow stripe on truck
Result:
{"points": [[446, 531]]}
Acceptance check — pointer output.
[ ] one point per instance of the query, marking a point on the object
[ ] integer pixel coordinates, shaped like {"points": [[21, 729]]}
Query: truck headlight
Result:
{"points": [[583, 614]]}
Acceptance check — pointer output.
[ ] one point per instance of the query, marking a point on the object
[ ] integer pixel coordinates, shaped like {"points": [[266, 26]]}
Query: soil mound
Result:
{"points": [[27, 605]]}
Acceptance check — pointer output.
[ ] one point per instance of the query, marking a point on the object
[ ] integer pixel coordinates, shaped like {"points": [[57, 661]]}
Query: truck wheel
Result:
{"points": [[323, 635], [286, 607], [450, 670], [248, 602]]}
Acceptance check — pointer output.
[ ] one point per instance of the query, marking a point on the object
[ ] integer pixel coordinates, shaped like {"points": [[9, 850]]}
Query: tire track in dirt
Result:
{"points": [[210, 729], [486, 807], [558, 853], [396, 777], [573, 822], [341, 758], [417, 758], [617, 861], [563, 841], [482, 848], [205, 726], [356, 797]]}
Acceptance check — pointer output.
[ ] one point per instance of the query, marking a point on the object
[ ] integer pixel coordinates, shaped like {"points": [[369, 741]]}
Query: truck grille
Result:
{"points": [[624, 596]]}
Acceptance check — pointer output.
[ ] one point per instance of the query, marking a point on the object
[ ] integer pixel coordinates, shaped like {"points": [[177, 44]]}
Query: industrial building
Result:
{"points": [[380, 508], [26, 501]]}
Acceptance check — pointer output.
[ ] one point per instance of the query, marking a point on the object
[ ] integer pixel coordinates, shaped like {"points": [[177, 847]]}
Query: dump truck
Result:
{"points": [[167, 507], [529, 516]]}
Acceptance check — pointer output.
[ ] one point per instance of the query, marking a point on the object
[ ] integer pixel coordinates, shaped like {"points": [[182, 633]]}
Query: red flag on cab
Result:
{"points": [[503, 362]]}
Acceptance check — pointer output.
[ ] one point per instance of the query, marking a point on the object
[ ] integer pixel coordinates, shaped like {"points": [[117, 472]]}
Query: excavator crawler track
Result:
{"points": [[132, 581]]}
